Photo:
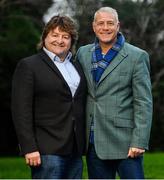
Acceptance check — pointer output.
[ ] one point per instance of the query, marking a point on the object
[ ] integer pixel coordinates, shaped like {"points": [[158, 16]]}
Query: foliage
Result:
{"points": [[20, 27], [84, 15]]}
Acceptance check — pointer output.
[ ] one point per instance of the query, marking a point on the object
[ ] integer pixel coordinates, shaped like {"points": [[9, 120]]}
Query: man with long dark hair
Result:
{"points": [[48, 104]]}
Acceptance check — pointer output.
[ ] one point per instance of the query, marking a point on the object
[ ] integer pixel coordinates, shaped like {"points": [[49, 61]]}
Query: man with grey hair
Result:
{"points": [[119, 102]]}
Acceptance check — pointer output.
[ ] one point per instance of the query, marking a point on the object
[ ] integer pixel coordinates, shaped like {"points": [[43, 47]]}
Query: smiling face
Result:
{"points": [[59, 36], [106, 27], [58, 42]]}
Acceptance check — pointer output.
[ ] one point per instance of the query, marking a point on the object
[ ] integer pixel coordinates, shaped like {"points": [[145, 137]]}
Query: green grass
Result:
{"points": [[15, 168], [154, 165]]}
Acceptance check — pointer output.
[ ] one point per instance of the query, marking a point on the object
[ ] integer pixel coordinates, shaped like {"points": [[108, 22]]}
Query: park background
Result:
{"points": [[21, 24]]}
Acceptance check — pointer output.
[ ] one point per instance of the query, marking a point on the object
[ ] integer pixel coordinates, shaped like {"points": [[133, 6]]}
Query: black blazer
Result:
{"points": [[46, 117]]}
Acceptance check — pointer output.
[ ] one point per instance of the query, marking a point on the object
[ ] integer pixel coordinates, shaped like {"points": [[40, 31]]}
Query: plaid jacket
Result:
{"points": [[121, 103]]}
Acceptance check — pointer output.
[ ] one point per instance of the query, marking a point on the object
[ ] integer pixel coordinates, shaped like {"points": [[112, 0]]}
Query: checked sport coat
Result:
{"points": [[121, 103]]}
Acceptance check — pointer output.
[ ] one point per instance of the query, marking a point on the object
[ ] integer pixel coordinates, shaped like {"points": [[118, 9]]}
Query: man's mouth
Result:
{"points": [[57, 45], [105, 33]]}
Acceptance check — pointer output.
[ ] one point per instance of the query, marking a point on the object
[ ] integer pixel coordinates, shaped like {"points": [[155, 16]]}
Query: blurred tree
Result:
{"points": [[84, 11], [20, 26]]}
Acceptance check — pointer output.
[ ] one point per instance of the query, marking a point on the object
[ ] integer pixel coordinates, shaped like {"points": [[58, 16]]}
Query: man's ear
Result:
{"points": [[118, 26]]}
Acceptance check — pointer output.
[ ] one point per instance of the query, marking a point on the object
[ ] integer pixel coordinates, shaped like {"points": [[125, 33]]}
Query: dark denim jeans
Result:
{"points": [[130, 168], [58, 167]]}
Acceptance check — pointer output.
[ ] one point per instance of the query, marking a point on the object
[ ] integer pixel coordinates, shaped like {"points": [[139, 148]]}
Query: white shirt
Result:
{"points": [[67, 70]]}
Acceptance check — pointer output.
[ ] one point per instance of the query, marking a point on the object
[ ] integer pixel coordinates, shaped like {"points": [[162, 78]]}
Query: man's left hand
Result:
{"points": [[134, 152]]}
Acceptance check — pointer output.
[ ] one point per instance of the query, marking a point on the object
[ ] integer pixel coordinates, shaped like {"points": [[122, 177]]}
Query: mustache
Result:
{"points": [[60, 44]]}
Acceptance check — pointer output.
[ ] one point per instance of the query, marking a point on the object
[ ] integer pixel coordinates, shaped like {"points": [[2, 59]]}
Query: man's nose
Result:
{"points": [[106, 27], [60, 39]]}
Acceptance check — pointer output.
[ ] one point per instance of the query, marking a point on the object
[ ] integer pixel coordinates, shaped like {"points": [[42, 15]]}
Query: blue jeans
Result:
{"points": [[58, 167], [130, 168]]}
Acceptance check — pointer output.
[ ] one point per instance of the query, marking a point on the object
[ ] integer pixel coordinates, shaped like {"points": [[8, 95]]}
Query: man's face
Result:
{"points": [[106, 28], [58, 42]]}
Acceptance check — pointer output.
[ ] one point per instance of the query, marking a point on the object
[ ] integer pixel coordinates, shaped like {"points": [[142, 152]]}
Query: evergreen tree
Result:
{"points": [[20, 26]]}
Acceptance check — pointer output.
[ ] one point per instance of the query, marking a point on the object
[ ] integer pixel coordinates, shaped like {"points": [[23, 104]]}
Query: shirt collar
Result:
{"points": [[54, 57]]}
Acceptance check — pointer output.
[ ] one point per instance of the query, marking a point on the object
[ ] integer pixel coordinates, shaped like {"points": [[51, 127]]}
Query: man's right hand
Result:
{"points": [[33, 159]]}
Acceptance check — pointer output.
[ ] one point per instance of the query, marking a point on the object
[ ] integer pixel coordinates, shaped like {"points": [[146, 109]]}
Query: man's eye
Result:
{"points": [[66, 37], [100, 23], [110, 23], [54, 35]]}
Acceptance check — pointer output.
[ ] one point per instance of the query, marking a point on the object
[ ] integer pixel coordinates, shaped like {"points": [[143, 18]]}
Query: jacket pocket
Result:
{"points": [[124, 123]]}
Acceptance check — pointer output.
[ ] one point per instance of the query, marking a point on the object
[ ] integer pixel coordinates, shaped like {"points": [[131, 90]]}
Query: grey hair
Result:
{"points": [[108, 10]]}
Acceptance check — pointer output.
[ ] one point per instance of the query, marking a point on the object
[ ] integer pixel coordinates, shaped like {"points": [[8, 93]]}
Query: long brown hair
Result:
{"points": [[65, 24]]}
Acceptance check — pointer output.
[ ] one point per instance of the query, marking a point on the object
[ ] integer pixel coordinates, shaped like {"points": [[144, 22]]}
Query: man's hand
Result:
{"points": [[33, 159], [134, 152]]}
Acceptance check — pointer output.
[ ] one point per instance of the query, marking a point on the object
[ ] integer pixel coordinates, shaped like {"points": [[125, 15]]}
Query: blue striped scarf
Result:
{"points": [[100, 62]]}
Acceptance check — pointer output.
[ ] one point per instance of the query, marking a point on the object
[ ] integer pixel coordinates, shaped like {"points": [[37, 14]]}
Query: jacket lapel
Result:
{"points": [[49, 62], [115, 62], [89, 68]]}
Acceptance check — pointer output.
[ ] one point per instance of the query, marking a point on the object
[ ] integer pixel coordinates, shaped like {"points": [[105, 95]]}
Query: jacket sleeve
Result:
{"points": [[142, 102], [22, 106]]}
